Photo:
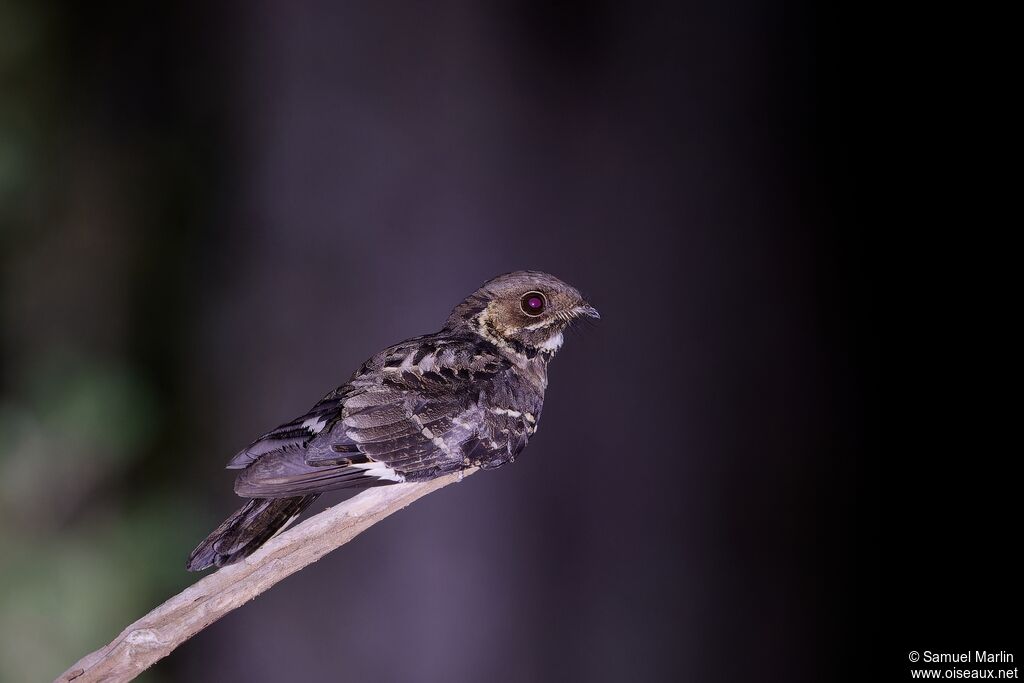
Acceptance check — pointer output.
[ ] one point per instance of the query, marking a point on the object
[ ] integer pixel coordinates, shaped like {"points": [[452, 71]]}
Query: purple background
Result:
{"points": [[257, 198]]}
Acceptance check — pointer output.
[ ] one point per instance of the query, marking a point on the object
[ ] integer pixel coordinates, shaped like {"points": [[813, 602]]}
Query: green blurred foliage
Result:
{"points": [[27, 82], [93, 531], [78, 566]]}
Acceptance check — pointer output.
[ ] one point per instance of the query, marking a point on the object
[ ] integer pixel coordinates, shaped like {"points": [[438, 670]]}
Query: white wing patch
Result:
{"points": [[379, 470], [315, 424], [514, 413]]}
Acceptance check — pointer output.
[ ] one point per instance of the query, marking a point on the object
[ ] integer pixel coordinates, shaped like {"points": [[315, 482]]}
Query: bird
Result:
{"points": [[467, 396]]}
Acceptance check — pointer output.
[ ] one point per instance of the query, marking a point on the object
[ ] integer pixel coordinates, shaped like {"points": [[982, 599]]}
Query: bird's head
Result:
{"points": [[525, 311]]}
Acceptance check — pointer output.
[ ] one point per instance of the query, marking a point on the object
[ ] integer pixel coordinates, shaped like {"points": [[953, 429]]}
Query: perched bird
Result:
{"points": [[467, 396]]}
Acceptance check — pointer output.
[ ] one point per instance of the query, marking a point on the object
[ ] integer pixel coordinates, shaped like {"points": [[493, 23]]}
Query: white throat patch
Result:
{"points": [[553, 343], [550, 345]]}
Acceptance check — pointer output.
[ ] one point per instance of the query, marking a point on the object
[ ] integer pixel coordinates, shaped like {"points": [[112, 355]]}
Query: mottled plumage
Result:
{"points": [[468, 396]]}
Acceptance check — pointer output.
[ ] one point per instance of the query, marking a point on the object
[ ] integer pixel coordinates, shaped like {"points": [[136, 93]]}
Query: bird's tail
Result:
{"points": [[242, 533]]}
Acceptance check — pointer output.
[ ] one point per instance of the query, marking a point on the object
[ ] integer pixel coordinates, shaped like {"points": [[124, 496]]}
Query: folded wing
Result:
{"points": [[412, 413]]}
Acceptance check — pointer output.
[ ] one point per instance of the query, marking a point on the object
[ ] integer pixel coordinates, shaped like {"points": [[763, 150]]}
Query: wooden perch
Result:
{"points": [[155, 635]]}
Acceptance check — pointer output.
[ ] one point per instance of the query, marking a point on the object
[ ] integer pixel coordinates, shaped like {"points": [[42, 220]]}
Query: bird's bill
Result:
{"points": [[587, 310]]}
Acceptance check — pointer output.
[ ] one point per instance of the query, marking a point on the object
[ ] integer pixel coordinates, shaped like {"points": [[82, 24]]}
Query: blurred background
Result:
{"points": [[210, 216]]}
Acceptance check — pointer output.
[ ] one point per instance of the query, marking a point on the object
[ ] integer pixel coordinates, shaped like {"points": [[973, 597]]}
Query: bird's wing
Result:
{"points": [[293, 435], [411, 413]]}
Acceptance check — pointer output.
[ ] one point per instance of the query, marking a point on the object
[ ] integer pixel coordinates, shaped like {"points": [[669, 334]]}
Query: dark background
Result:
{"points": [[210, 217]]}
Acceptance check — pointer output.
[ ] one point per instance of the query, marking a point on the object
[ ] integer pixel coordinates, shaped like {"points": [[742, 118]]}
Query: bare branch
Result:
{"points": [[155, 635]]}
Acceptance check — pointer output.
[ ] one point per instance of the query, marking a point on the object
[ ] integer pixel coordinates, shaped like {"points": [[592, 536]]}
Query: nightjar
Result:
{"points": [[467, 396]]}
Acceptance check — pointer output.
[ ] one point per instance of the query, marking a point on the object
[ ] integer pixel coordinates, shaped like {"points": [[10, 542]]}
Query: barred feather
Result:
{"points": [[469, 395], [242, 533]]}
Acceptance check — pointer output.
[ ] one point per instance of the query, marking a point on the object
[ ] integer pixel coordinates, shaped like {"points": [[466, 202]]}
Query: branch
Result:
{"points": [[155, 635]]}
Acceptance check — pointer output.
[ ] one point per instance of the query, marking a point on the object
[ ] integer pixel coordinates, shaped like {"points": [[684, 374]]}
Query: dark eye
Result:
{"points": [[533, 303]]}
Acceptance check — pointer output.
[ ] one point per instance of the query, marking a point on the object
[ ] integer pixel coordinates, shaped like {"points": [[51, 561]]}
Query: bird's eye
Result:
{"points": [[533, 303]]}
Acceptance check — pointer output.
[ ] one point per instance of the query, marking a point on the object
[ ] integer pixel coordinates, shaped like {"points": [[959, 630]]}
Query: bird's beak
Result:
{"points": [[586, 309]]}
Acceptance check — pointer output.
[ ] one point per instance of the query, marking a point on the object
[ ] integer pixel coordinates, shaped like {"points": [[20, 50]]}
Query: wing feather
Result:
{"points": [[410, 413]]}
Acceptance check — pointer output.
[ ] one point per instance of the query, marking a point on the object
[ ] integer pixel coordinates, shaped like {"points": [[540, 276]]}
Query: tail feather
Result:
{"points": [[241, 534]]}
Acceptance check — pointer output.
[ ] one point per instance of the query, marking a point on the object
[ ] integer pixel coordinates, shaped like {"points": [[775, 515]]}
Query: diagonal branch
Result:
{"points": [[155, 635]]}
